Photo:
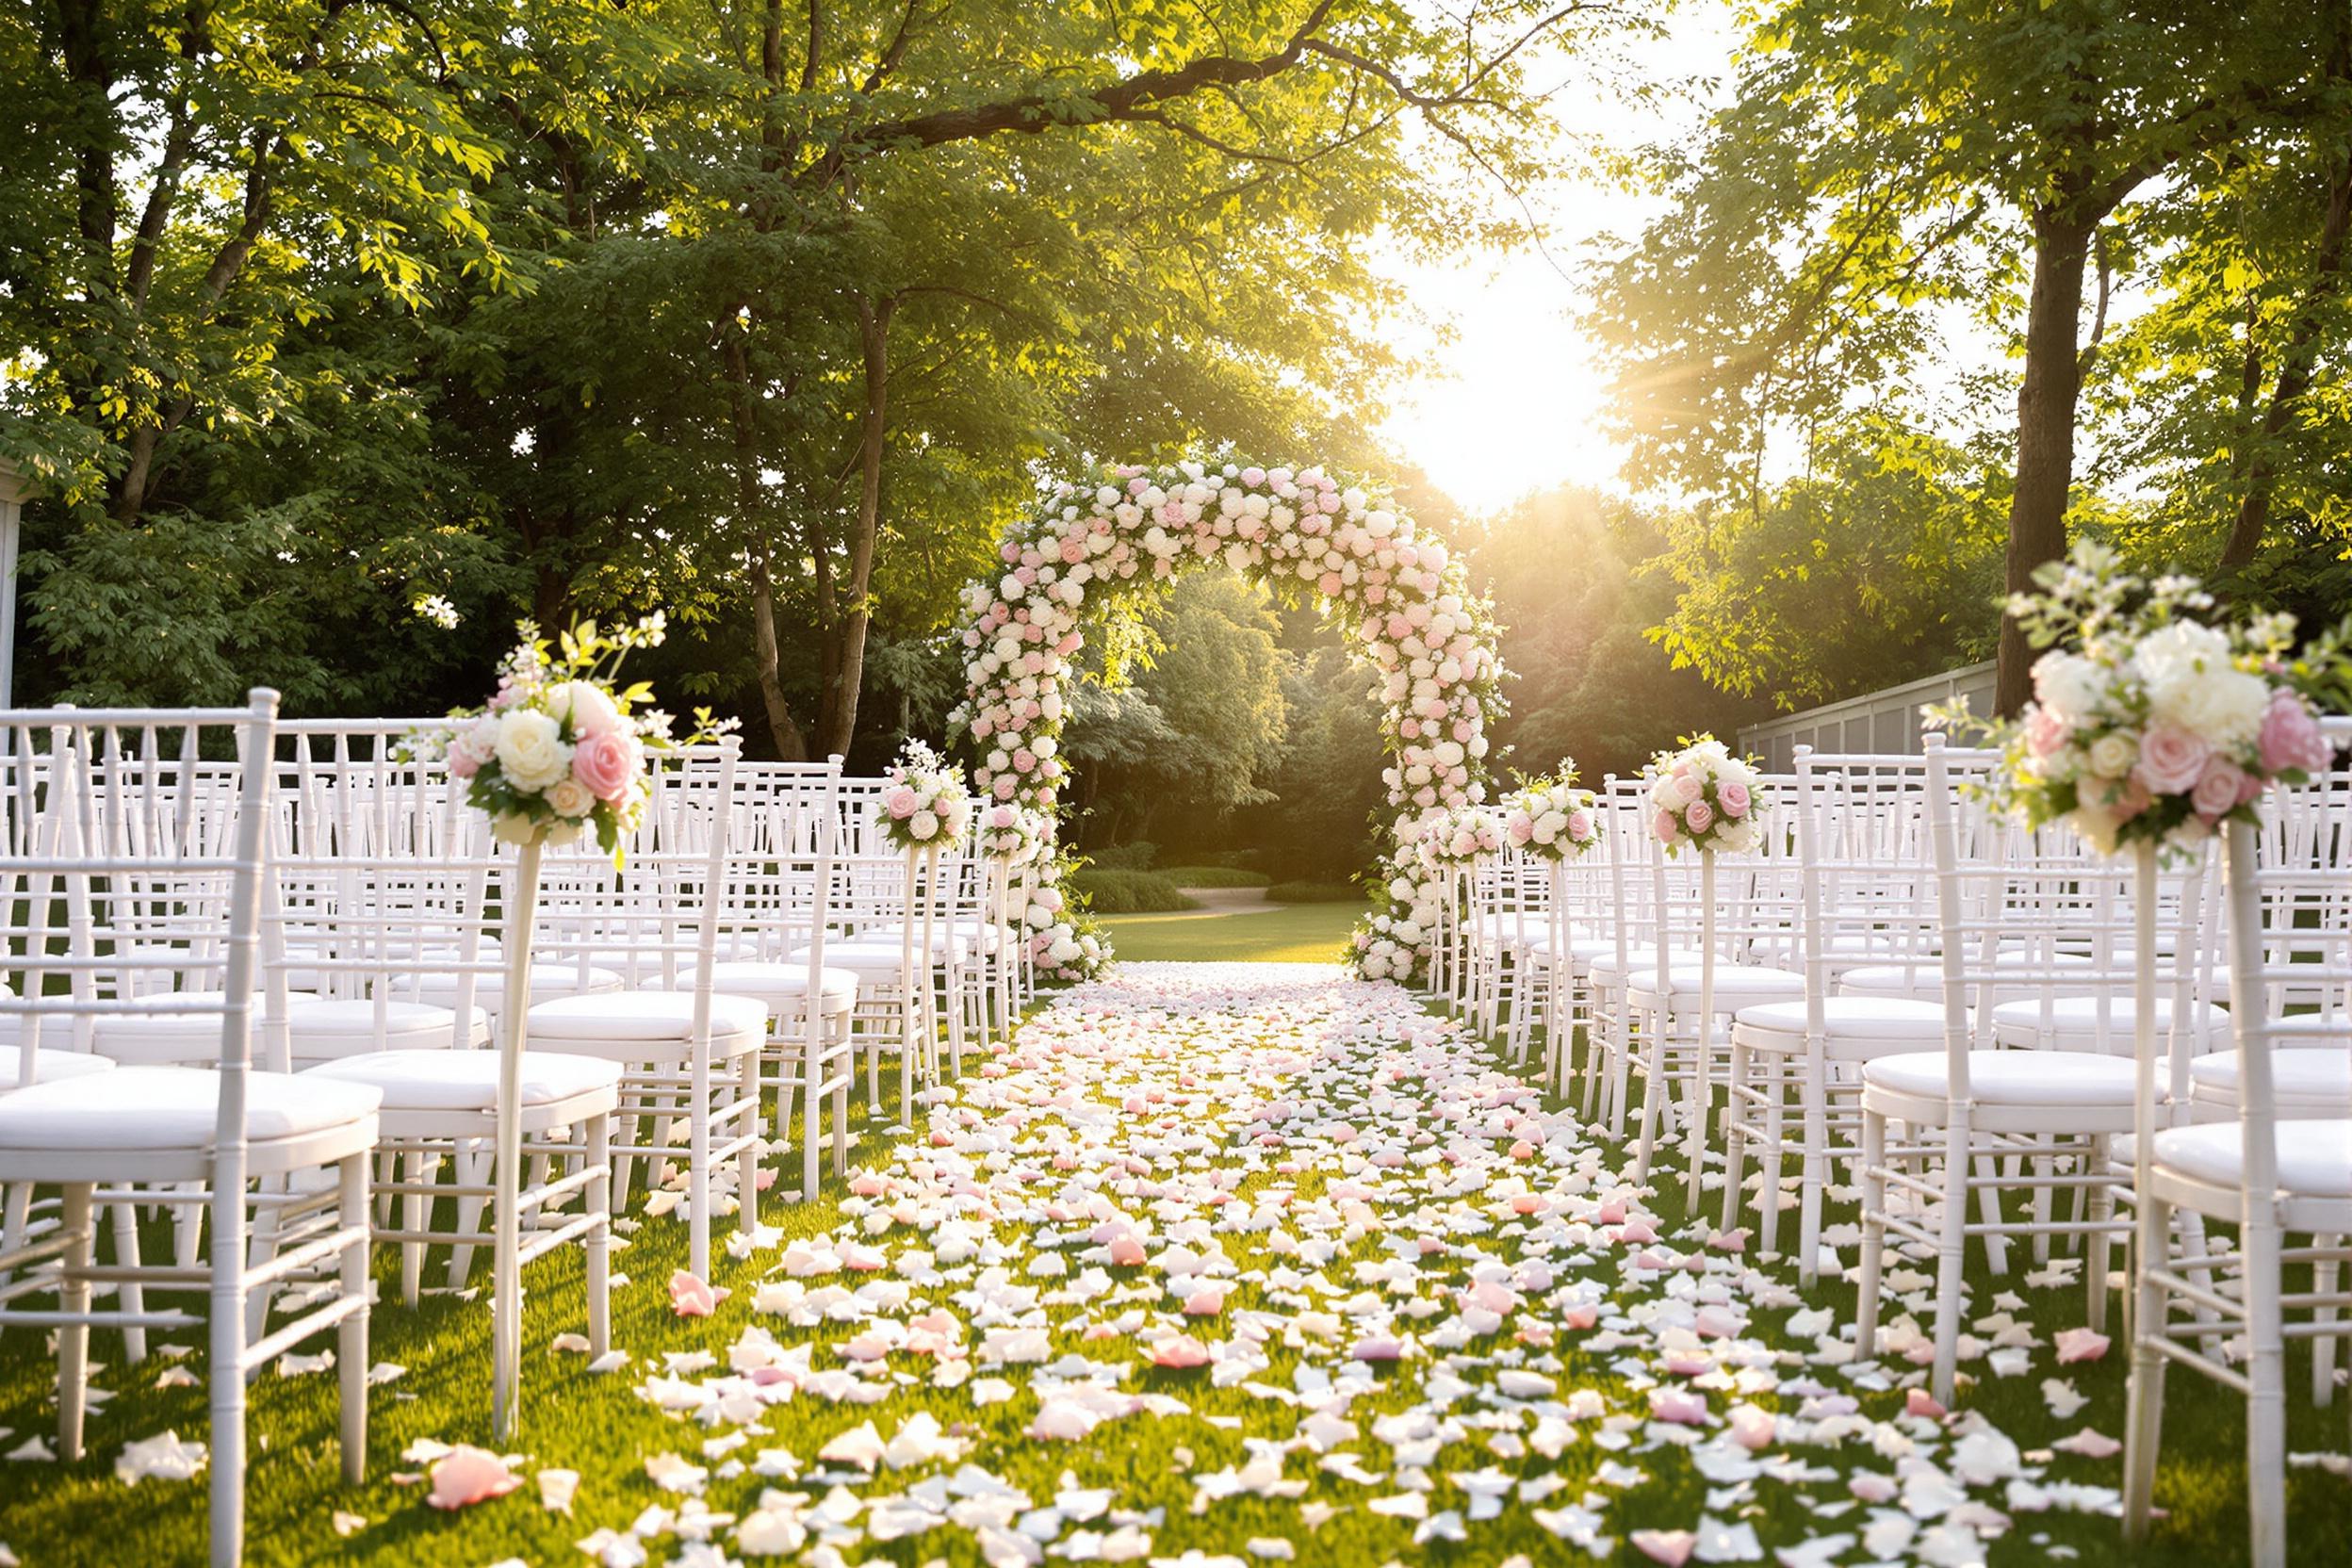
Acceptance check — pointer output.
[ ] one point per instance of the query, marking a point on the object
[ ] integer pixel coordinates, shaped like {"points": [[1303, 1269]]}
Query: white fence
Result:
{"points": [[1882, 721]]}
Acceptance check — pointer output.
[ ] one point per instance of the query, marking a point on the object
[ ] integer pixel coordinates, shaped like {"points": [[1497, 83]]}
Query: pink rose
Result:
{"points": [[2171, 761], [1700, 815], [1580, 825], [2291, 738], [1664, 826], [900, 803], [2045, 732], [606, 763], [463, 762], [2216, 791], [1733, 798]]}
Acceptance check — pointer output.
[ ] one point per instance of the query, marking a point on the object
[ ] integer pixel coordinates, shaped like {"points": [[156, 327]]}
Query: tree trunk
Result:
{"points": [[2045, 409], [791, 745], [2300, 355], [838, 720]]}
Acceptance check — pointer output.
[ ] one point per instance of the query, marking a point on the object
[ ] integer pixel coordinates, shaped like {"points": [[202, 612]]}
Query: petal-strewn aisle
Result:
{"points": [[1223, 1263]]}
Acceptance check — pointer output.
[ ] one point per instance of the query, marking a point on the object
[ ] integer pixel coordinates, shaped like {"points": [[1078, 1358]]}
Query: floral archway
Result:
{"points": [[1399, 597]]}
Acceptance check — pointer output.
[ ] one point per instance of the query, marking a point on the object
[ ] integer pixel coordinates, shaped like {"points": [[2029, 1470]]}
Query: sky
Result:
{"points": [[1515, 400]]}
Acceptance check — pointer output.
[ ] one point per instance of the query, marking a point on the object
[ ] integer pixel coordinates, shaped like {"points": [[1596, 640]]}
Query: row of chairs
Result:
{"points": [[252, 968], [1981, 1028]]}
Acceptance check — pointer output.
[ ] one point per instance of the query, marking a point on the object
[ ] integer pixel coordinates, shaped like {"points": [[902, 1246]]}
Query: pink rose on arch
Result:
{"points": [[2291, 737], [1664, 826], [1733, 798], [1004, 787], [1700, 815], [606, 763], [1010, 551], [1327, 584], [1024, 760], [1073, 551], [900, 803], [2218, 788], [2171, 761]]}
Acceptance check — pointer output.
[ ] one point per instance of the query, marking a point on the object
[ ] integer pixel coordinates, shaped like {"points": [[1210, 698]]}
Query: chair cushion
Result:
{"points": [[772, 982], [156, 1031], [944, 940], [2314, 1156], [2074, 1021], [1924, 978], [2302, 1083], [1639, 961], [468, 1080], [625, 1018], [2012, 1077], [861, 956], [344, 1026], [173, 1107], [439, 987], [1847, 1022], [51, 1067], [1737, 986]]}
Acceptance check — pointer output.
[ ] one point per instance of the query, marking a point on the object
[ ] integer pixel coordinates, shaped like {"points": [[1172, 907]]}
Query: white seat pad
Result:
{"points": [[159, 1031], [2076, 1020], [627, 1017], [2314, 1156], [173, 1107], [343, 1025], [2300, 1081], [50, 1066], [1639, 961], [1845, 1020], [2012, 1077], [439, 987], [468, 1080], [1737, 986], [750, 977], [864, 957]]}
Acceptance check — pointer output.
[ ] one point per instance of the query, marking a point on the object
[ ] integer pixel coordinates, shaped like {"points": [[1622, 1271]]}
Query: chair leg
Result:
{"points": [[1770, 1158], [1988, 1205], [747, 1160], [1813, 1174], [599, 1267], [1873, 1233], [2100, 1204], [352, 1333], [133, 1295], [415, 1211], [74, 1338], [2266, 1377], [472, 1164], [2324, 1275], [1950, 1254]]}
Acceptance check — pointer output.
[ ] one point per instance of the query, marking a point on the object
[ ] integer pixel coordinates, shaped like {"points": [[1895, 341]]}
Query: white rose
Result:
{"points": [[2221, 705], [532, 753], [2068, 685], [922, 825], [2113, 754], [570, 798]]}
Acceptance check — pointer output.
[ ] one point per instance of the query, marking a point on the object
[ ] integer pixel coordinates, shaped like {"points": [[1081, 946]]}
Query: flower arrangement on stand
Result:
{"points": [[559, 750], [1701, 797], [1550, 817], [2148, 724], [927, 805], [1012, 833]]}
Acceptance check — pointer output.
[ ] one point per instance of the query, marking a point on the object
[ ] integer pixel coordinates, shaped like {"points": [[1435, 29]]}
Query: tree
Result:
{"points": [[1886, 162]]}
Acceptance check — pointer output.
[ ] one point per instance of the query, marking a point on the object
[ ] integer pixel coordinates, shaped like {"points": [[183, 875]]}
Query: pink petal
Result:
{"points": [[2080, 1344], [467, 1474], [1180, 1350], [690, 1295], [1671, 1548], [1921, 1402]]}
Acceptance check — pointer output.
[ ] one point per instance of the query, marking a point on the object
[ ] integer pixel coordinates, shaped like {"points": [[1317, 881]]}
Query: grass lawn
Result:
{"points": [[1301, 934], [1177, 1475]]}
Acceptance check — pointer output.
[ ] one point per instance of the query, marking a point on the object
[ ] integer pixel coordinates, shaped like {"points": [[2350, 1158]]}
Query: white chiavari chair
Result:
{"points": [[120, 819], [2274, 1174], [2025, 920], [689, 1053]]}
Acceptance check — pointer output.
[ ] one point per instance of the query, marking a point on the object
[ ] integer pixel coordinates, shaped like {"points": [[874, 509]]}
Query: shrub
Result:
{"points": [[1134, 856], [1314, 892], [1215, 877], [1113, 890]]}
